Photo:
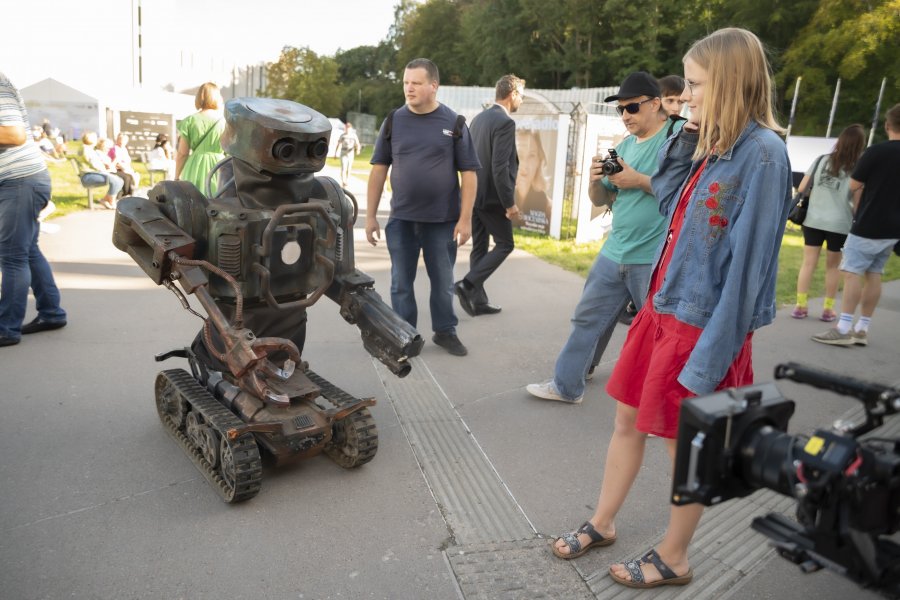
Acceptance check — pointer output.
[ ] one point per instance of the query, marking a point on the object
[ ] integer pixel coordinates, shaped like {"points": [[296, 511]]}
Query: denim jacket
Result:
{"points": [[721, 277]]}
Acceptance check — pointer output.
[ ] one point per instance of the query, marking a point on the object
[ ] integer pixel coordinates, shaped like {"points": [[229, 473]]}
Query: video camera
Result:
{"points": [[732, 443]]}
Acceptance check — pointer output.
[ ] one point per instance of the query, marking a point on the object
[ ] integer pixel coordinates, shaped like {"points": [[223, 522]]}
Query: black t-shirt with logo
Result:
{"points": [[425, 159]]}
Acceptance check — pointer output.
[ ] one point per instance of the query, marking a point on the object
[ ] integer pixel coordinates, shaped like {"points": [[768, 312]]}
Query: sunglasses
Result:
{"points": [[632, 108]]}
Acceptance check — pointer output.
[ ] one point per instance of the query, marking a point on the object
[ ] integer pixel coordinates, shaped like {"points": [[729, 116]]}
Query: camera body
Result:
{"points": [[611, 166], [734, 442], [714, 433]]}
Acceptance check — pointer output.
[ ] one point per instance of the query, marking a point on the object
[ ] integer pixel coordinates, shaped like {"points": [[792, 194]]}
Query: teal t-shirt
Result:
{"points": [[637, 226]]}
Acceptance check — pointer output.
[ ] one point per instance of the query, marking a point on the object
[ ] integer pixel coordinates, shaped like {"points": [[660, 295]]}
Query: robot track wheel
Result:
{"points": [[198, 422]]}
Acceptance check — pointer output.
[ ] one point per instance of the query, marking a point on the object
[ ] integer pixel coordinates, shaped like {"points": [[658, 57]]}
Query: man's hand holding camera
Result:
{"points": [[625, 179]]}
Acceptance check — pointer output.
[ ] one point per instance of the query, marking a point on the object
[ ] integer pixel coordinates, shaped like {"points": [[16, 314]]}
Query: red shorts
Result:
{"points": [[646, 374]]}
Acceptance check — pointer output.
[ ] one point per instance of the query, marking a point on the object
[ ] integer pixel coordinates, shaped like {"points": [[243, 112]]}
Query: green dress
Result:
{"points": [[202, 133]]}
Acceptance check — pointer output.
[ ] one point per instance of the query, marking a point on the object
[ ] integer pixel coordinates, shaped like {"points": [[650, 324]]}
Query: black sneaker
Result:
{"points": [[8, 341], [450, 343], [39, 324]]}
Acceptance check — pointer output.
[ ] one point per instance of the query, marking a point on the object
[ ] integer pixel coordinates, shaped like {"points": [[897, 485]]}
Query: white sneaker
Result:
{"points": [[548, 391]]}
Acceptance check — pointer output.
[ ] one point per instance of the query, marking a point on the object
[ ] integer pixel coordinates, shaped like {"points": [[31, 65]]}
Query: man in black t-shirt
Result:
{"points": [[875, 184], [433, 167]]}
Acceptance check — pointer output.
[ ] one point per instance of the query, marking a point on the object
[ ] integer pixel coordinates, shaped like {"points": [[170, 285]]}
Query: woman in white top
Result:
{"points": [[103, 172], [828, 218]]}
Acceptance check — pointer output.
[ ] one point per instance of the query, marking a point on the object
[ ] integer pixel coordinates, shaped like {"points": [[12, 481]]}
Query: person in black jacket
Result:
{"points": [[494, 134]]}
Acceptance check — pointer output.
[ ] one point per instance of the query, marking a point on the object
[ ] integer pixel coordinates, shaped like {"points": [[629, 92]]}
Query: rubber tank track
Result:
{"points": [[356, 437], [245, 453]]}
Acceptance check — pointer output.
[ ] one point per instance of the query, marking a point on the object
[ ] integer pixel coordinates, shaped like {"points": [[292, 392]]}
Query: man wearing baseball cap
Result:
{"points": [[622, 269]]}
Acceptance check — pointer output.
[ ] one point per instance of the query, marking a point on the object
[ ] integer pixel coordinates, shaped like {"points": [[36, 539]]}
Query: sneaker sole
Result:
{"points": [[846, 342], [860, 341], [554, 397]]}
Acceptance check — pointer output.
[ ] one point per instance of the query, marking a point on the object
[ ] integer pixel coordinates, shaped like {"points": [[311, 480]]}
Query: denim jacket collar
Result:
{"points": [[751, 127]]}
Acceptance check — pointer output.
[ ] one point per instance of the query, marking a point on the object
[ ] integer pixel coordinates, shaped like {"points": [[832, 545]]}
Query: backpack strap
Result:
{"points": [[388, 125], [672, 120], [457, 128]]}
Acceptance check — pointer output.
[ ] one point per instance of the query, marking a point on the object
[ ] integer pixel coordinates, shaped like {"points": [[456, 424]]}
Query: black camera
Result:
{"points": [[732, 443], [611, 166]]}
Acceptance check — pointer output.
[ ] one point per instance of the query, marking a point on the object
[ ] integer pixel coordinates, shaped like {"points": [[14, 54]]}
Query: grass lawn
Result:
{"points": [[69, 196], [67, 193], [360, 162]]}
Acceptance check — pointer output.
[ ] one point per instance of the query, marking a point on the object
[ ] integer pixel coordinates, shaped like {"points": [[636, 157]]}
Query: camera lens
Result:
{"points": [[611, 167]]}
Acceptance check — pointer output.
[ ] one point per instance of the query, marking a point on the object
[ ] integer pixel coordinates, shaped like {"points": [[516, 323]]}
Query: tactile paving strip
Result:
{"points": [[476, 504], [513, 571]]}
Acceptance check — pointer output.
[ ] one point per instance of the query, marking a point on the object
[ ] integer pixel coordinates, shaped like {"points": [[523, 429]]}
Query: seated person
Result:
{"points": [[162, 156], [102, 170], [122, 162], [46, 145], [102, 147]]}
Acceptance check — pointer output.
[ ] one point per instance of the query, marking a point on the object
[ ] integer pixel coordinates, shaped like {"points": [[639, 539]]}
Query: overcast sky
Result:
{"points": [[88, 44]]}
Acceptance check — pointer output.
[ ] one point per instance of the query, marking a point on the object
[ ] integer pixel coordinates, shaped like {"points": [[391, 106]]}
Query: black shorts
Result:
{"points": [[815, 237]]}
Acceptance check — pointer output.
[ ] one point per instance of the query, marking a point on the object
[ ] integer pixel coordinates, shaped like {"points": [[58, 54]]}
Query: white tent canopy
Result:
{"points": [[140, 112]]}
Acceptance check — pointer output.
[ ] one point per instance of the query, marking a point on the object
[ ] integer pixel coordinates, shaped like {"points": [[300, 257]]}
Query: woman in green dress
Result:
{"points": [[199, 148]]}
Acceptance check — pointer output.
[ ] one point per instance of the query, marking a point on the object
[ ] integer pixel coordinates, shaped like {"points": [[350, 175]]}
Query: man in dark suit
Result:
{"points": [[494, 134]]}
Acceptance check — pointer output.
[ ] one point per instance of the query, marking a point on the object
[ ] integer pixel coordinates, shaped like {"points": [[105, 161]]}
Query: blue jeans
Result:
{"points": [[94, 178], [608, 288], [405, 241], [21, 261]]}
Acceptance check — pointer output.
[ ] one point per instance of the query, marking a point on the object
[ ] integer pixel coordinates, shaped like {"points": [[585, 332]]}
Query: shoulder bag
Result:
{"points": [[801, 199]]}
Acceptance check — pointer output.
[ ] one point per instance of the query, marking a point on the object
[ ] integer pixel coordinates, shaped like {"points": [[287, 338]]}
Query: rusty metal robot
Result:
{"points": [[268, 245]]}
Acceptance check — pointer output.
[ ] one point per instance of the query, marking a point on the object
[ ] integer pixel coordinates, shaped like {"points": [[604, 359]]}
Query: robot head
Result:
{"points": [[277, 136]]}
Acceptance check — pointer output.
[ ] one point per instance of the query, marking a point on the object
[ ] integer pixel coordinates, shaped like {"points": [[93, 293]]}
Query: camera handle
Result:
{"points": [[878, 400]]}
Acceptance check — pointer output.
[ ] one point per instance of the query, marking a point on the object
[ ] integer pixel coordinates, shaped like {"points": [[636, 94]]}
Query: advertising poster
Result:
{"points": [[602, 133], [536, 143]]}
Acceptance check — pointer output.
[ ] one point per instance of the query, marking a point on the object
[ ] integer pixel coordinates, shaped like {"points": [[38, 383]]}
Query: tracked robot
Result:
{"points": [[270, 243]]}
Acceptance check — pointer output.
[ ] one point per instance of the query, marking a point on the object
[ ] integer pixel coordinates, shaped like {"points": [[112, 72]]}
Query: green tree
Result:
{"points": [[856, 40], [368, 79], [301, 75], [432, 31]]}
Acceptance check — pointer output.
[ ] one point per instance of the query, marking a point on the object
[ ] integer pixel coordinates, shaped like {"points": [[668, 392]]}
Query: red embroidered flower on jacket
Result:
{"points": [[715, 205]]}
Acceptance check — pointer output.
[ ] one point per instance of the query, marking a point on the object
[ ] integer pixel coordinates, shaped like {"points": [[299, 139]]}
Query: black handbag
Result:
{"points": [[798, 212], [801, 199]]}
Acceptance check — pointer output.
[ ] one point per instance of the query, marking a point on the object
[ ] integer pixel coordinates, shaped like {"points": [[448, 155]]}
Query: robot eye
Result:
{"points": [[284, 149], [318, 149]]}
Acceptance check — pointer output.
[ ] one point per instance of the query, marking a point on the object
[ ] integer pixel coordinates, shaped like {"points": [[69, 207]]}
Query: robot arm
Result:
{"points": [[165, 252], [385, 335]]}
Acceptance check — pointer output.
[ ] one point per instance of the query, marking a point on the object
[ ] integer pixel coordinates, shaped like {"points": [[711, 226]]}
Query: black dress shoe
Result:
{"points": [[40, 324], [462, 292], [8, 341], [487, 309], [450, 343]]}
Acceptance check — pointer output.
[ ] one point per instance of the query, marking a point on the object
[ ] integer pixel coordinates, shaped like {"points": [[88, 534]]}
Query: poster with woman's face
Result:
{"points": [[536, 147]]}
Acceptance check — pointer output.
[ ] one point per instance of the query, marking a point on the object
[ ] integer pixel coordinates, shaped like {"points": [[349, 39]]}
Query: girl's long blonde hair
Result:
{"points": [[739, 87]]}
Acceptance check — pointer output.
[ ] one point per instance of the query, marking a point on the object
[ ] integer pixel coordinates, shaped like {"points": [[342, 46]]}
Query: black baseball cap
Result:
{"points": [[637, 84]]}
